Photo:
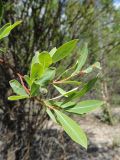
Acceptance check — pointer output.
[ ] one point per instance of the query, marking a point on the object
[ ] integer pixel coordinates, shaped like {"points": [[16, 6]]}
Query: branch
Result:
{"points": [[21, 79], [81, 73], [54, 98]]}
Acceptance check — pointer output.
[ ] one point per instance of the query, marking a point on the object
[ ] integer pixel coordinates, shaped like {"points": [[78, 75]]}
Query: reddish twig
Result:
{"points": [[21, 79], [81, 73]]}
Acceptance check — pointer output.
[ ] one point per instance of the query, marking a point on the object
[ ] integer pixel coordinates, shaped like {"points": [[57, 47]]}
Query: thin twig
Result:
{"points": [[54, 98], [21, 79], [81, 73]]}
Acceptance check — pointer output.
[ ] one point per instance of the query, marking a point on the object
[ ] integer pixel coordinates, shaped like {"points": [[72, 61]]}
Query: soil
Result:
{"points": [[104, 140], [53, 144]]}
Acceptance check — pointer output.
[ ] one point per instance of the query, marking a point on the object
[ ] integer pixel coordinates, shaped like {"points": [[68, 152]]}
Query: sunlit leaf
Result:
{"points": [[71, 82], [3, 28], [28, 80], [60, 90], [85, 106], [35, 59], [64, 50], [37, 71], [45, 59], [34, 89], [87, 87], [14, 98], [82, 58], [53, 51], [17, 87], [72, 91], [97, 65], [61, 104], [72, 128], [94, 66], [6, 29], [47, 77], [51, 115]]}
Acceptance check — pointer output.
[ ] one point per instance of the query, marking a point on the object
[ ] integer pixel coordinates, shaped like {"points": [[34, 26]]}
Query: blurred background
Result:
{"points": [[47, 24]]}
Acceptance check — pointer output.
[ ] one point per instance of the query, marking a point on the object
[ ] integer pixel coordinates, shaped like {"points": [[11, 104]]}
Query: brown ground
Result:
{"points": [[53, 144], [104, 140]]}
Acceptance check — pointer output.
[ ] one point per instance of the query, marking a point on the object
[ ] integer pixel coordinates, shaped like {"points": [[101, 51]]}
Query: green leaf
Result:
{"points": [[6, 29], [17, 88], [90, 68], [68, 104], [70, 92], [85, 106], [82, 59], [52, 52], [72, 129], [62, 104], [36, 71], [28, 80], [47, 77], [34, 89], [14, 98], [63, 72], [60, 90], [51, 115], [97, 65], [14, 25], [71, 82], [45, 59], [35, 59], [64, 50], [87, 87], [3, 28]]}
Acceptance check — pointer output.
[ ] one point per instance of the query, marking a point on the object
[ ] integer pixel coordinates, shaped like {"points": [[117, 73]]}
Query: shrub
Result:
{"points": [[43, 75]]}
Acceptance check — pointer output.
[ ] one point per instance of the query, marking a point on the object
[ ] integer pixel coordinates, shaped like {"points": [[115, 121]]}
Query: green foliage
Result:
{"points": [[36, 71], [82, 58], [87, 87], [47, 77], [61, 90], [45, 59], [53, 51], [51, 115], [64, 50], [43, 75], [84, 106], [6, 29], [72, 128], [17, 87], [14, 98]]}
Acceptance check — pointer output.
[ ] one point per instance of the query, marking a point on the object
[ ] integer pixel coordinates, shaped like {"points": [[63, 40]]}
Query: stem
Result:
{"points": [[21, 79], [54, 98], [81, 73], [49, 106], [43, 103]]}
